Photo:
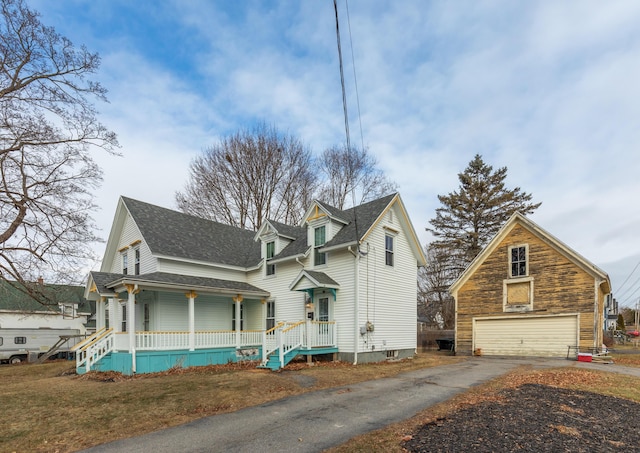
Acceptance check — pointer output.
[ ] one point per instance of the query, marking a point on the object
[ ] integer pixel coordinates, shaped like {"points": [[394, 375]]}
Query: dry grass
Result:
{"points": [[389, 439], [47, 408]]}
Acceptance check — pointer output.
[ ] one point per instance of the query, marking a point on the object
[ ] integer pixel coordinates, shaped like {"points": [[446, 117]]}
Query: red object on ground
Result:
{"points": [[633, 333], [585, 357]]}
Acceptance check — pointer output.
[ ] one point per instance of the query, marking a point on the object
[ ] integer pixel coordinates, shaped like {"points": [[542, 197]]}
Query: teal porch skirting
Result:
{"points": [[157, 361]]}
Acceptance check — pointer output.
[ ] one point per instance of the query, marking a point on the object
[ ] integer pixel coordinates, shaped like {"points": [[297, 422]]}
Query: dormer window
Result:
{"points": [[271, 251], [319, 240]]}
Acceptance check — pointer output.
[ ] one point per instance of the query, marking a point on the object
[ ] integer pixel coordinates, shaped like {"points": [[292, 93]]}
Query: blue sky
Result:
{"points": [[548, 89]]}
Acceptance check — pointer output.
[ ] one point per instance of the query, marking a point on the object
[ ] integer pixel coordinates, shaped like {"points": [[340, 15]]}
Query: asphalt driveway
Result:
{"points": [[319, 420]]}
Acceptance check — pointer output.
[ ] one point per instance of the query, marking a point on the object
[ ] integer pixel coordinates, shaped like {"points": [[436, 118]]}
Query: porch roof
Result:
{"points": [[314, 279], [162, 280]]}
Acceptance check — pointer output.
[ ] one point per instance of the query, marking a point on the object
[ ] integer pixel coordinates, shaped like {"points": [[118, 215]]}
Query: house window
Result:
{"points": [[518, 259], [20, 340], [146, 318], [136, 261], [233, 317], [124, 317], [125, 263], [319, 241], [271, 314], [271, 251], [388, 250]]}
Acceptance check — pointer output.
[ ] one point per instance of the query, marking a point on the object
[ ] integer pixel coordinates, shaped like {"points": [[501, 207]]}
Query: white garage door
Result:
{"points": [[531, 336]]}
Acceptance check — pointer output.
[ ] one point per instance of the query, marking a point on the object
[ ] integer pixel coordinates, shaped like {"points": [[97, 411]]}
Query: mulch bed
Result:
{"points": [[536, 418]]}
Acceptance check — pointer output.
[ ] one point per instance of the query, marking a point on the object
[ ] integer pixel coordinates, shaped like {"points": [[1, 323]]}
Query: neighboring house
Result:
{"points": [[611, 313], [62, 307], [178, 290], [528, 294], [30, 327]]}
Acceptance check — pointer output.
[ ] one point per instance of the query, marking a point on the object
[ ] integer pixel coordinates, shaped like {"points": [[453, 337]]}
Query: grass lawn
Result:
{"points": [[48, 408]]}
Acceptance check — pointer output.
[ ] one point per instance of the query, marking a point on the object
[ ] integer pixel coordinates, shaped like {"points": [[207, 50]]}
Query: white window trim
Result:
{"points": [[506, 307]]}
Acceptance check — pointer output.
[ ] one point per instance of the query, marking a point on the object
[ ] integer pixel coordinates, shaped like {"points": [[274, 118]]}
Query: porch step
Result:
{"points": [[274, 359]]}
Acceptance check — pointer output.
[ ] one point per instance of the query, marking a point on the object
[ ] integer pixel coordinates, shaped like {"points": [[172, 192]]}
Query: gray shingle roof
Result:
{"points": [[321, 278], [365, 214], [212, 284], [180, 235], [295, 248]]}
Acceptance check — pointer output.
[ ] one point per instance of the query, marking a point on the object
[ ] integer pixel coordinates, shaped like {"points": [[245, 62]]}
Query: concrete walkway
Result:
{"points": [[315, 421]]}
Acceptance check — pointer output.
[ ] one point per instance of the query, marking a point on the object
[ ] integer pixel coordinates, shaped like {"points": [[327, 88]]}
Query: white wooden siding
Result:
{"points": [[130, 234], [525, 336], [388, 293]]}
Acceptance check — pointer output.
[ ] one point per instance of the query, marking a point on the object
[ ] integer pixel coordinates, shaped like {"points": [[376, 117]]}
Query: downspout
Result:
{"points": [[356, 321]]}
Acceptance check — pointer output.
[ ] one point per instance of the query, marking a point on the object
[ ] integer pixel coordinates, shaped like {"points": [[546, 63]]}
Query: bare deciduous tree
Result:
{"points": [[250, 176], [351, 172], [48, 125], [434, 301]]}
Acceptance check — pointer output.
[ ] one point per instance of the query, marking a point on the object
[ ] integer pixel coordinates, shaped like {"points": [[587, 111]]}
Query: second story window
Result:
{"points": [[319, 240], [136, 262], [271, 251], [518, 261], [125, 263], [388, 250]]}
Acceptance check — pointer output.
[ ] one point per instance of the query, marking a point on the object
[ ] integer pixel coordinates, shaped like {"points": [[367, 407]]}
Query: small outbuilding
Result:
{"points": [[529, 294]]}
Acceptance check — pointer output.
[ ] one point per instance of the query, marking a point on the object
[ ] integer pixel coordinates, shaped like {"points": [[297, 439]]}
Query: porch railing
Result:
{"points": [[306, 334], [94, 348], [162, 341]]}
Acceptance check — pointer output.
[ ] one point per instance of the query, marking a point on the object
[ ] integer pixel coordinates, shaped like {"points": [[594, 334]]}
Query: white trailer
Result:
{"points": [[21, 345]]}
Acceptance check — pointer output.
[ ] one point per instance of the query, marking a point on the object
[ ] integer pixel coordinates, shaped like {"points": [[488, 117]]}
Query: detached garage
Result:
{"points": [[544, 336], [528, 294]]}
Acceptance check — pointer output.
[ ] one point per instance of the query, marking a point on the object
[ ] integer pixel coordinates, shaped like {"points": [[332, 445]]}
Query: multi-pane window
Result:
{"points": [[233, 317], [319, 241], [271, 251], [136, 262], [124, 317], [518, 261], [388, 250], [20, 340], [125, 263], [271, 314]]}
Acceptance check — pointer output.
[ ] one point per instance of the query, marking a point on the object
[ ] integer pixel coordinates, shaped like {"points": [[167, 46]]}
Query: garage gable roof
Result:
{"points": [[519, 219]]}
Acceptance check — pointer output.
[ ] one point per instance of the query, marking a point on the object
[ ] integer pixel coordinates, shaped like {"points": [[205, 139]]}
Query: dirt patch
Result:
{"points": [[535, 418]]}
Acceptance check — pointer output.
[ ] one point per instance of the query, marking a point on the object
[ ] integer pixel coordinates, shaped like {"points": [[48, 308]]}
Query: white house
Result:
{"points": [[63, 307], [178, 290]]}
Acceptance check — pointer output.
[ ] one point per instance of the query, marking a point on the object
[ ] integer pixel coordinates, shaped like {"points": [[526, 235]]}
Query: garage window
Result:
{"points": [[517, 294], [518, 261]]}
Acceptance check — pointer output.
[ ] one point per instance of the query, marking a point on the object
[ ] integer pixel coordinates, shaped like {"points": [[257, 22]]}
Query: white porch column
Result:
{"points": [[132, 290], [238, 300], [191, 295], [114, 315], [100, 315]]}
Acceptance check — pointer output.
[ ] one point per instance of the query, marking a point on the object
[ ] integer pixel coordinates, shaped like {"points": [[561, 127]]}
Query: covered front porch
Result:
{"points": [[166, 321]]}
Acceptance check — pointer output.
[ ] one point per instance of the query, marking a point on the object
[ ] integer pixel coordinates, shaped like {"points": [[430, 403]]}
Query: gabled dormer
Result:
{"points": [[279, 242], [323, 222]]}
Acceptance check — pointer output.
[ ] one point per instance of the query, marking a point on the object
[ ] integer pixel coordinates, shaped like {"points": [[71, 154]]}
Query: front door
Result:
{"points": [[323, 309]]}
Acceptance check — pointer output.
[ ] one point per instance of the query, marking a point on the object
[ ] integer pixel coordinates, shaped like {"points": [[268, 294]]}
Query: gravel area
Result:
{"points": [[536, 418]]}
